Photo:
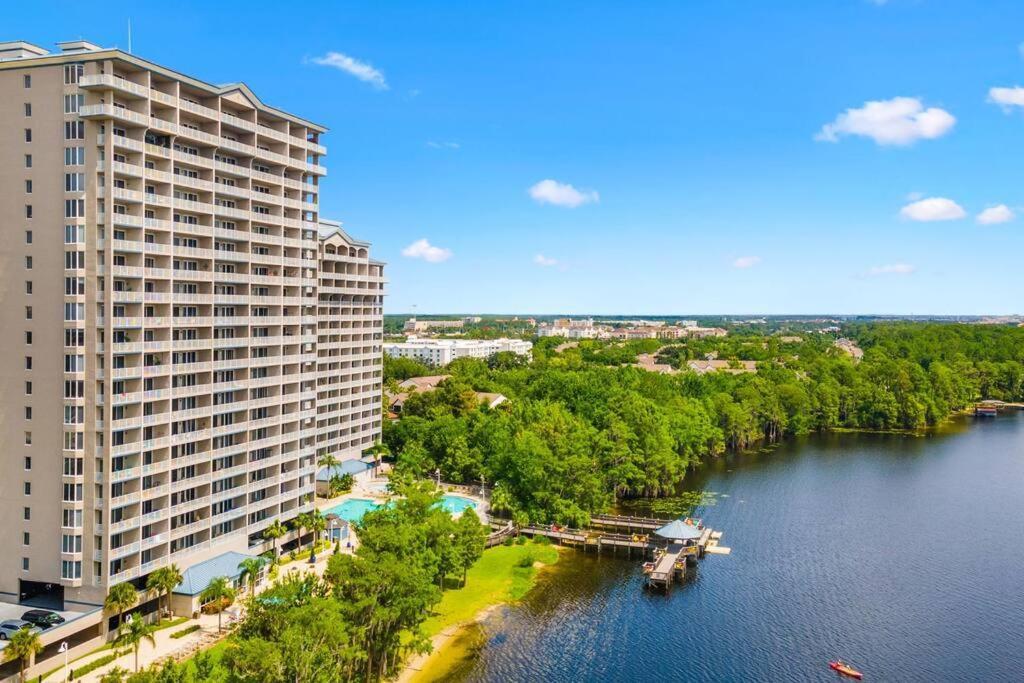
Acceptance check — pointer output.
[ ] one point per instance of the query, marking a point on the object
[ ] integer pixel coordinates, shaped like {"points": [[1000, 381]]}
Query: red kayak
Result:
{"points": [[845, 669]]}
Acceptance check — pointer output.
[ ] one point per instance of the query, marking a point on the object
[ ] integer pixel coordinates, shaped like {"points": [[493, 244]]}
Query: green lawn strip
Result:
{"points": [[185, 631], [496, 578]]}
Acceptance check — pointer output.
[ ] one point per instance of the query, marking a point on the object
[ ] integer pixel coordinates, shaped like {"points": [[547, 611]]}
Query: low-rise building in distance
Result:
{"points": [[441, 352]]}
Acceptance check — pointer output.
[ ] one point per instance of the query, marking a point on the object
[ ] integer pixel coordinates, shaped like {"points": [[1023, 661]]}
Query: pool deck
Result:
{"points": [[371, 490]]}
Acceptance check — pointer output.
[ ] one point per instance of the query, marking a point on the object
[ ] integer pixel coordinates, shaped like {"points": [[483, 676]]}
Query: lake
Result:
{"points": [[903, 555]]}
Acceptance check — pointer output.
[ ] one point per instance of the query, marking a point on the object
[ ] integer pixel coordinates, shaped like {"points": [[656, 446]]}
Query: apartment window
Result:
{"points": [[28, 313], [28, 462], [74, 208], [28, 187], [28, 388], [26, 513], [28, 109], [74, 182], [28, 286], [72, 103], [28, 336], [25, 538], [24, 560], [72, 72], [28, 263], [28, 84], [28, 237], [74, 130], [74, 156], [28, 412], [28, 488], [28, 211], [28, 161], [28, 362], [28, 135], [74, 234]]}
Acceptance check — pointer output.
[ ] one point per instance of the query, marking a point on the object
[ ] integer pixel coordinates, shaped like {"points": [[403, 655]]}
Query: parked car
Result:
{"points": [[43, 618], [8, 627]]}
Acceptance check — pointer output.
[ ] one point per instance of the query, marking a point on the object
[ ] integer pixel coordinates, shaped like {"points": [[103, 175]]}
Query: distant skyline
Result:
{"points": [[720, 158]]}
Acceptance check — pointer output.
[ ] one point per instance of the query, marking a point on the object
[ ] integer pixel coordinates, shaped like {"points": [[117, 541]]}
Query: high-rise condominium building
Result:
{"points": [[180, 340]]}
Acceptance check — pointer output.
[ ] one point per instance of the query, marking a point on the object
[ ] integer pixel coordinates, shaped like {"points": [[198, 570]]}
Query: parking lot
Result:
{"points": [[10, 610]]}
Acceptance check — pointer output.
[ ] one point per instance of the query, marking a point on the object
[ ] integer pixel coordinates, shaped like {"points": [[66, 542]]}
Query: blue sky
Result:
{"points": [[693, 136]]}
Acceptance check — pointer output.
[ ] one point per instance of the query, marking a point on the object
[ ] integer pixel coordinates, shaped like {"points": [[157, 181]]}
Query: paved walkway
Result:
{"points": [[187, 646]]}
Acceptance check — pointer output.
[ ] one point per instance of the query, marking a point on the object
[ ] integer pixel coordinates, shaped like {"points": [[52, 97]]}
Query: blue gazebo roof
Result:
{"points": [[678, 530], [196, 578], [352, 467]]}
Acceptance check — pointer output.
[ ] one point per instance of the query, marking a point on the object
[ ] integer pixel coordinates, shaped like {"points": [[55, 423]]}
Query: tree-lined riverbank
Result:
{"points": [[582, 427]]}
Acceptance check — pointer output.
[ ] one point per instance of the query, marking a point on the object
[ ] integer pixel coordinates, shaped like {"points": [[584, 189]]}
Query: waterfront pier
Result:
{"points": [[671, 546]]}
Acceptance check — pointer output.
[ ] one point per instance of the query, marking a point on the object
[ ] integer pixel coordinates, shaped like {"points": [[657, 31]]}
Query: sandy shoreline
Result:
{"points": [[440, 642], [443, 640]]}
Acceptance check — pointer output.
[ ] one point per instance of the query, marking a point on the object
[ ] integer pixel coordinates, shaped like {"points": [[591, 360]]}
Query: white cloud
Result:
{"points": [[892, 269], [561, 194], [933, 209], [423, 249], [352, 66], [746, 262], [1007, 97], [1000, 213], [899, 121], [542, 260], [442, 145]]}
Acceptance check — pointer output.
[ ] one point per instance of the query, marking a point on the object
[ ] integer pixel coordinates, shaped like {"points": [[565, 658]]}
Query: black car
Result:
{"points": [[42, 618]]}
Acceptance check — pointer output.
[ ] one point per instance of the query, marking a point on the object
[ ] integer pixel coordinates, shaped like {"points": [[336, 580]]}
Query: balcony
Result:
{"points": [[112, 82]]}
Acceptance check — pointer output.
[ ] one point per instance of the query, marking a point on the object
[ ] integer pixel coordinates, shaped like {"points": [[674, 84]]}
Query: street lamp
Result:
{"points": [[64, 650]]}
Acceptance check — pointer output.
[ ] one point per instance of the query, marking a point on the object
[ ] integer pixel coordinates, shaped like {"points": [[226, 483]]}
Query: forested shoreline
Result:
{"points": [[583, 426]]}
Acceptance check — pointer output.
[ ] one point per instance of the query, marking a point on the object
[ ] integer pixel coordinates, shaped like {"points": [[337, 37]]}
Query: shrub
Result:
{"points": [[185, 631], [542, 540], [526, 560], [520, 540], [86, 669], [508, 542]]}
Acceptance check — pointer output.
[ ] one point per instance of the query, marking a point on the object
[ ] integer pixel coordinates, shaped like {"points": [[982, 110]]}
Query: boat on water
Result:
{"points": [[986, 410], [845, 669]]}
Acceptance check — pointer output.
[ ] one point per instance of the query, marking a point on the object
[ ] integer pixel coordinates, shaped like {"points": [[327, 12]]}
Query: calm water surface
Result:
{"points": [[903, 555]]}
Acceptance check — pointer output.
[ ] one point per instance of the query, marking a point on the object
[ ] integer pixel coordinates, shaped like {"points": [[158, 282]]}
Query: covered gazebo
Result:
{"points": [[680, 531]]}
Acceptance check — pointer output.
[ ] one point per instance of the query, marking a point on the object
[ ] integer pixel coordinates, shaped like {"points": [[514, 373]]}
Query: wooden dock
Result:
{"points": [[628, 523], [669, 564], [670, 558]]}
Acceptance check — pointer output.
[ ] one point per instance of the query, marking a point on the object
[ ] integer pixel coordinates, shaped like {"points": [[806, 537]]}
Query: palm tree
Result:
{"points": [[250, 572], [317, 523], [302, 521], [121, 597], [162, 581], [273, 532], [330, 462], [132, 632], [380, 451], [22, 646], [218, 592]]}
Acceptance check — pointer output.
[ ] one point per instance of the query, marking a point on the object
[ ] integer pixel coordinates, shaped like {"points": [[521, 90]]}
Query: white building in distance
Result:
{"points": [[440, 352], [572, 329]]}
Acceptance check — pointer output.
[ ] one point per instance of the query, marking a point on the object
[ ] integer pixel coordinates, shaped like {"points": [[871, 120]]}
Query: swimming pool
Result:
{"points": [[353, 509], [456, 505]]}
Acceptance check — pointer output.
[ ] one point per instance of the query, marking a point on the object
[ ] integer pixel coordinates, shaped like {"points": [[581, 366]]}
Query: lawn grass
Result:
{"points": [[496, 578]]}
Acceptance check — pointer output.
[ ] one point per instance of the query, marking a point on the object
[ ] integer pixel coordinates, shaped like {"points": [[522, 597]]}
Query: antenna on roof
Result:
{"points": [[129, 35]]}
